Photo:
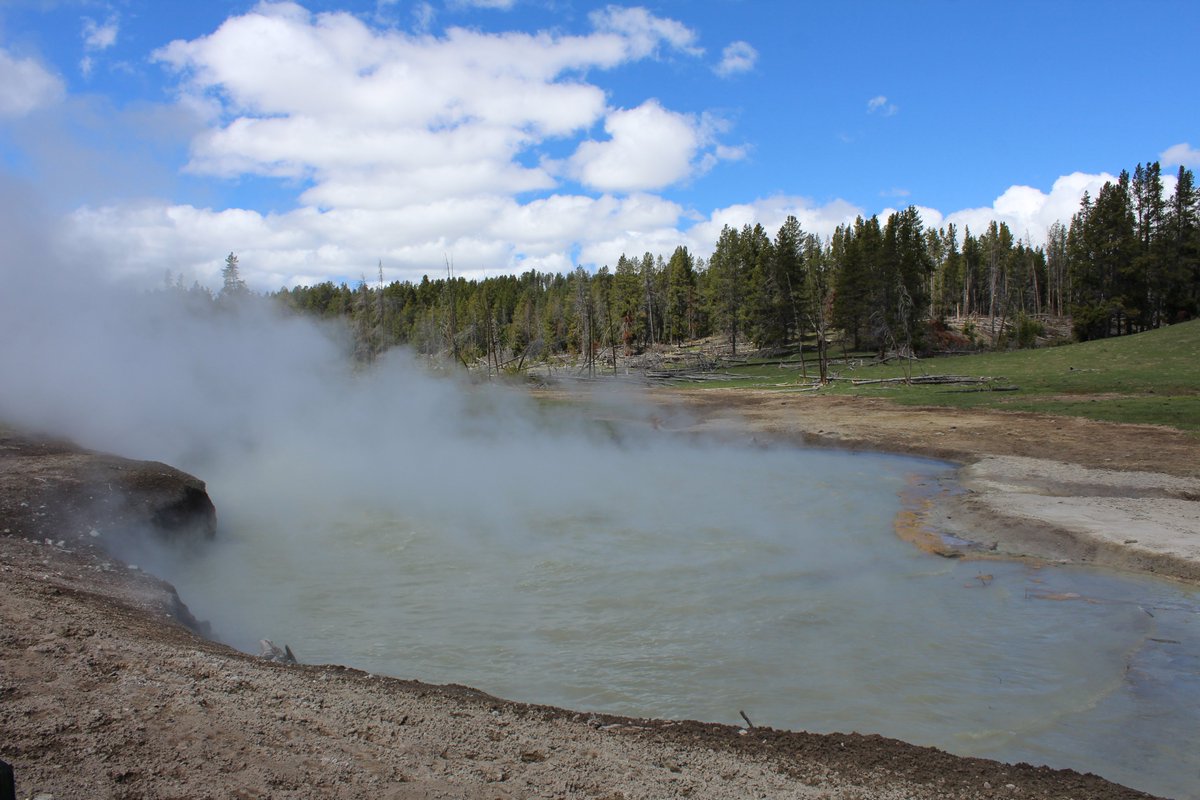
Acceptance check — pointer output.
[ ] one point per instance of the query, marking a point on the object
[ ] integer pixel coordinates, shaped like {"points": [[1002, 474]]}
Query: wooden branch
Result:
{"points": [[927, 380]]}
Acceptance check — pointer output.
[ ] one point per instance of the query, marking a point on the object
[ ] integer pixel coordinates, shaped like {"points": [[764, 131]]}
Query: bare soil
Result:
{"points": [[107, 690]]}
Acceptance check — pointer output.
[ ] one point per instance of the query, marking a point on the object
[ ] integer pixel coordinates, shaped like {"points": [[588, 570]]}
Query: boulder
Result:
{"points": [[54, 489]]}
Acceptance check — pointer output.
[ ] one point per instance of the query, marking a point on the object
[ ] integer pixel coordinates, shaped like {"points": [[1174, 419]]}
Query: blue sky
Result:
{"points": [[319, 139]]}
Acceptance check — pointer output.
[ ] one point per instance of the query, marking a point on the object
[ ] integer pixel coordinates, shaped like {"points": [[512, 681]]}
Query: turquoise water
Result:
{"points": [[693, 582]]}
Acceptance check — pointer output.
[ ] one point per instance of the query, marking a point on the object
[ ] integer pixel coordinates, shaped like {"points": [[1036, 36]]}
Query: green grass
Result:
{"points": [[1151, 377]]}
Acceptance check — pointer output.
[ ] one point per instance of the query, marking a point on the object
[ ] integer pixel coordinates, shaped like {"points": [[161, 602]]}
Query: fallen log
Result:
{"points": [[925, 380], [984, 389]]}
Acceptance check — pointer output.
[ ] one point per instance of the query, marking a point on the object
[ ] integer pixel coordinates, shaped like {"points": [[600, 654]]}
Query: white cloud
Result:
{"points": [[1182, 154], [736, 58], [100, 36], [1029, 211], [380, 115], [97, 37], [423, 16], [25, 86], [771, 212], [410, 147], [644, 32], [484, 236], [649, 148], [880, 105], [498, 5]]}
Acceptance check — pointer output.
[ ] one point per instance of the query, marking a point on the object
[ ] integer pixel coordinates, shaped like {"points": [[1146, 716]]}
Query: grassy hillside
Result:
{"points": [[1152, 377]]}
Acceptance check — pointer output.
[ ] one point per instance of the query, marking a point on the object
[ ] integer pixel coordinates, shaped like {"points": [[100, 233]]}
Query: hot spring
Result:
{"points": [[654, 578], [405, 524]]}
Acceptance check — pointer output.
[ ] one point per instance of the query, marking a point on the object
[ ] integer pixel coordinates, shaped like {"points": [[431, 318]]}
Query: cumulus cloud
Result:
{"points": [[771, 212], [487, 235], [410, 148], [1182, 154], [407, 147], [484, 236], [327, 99], [880, 105], [736, 58], [1029, 211], [649, 147], [25, 86]]}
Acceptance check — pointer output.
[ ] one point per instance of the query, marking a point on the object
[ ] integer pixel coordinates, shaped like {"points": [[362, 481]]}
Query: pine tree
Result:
{"points": [[817, 297], [1056, 268], [1182, 250], [1150, 210], [1102, 245], [233, 285], [681, 296], [858, 251], [760, 314], [726, 285], [788, 263]]}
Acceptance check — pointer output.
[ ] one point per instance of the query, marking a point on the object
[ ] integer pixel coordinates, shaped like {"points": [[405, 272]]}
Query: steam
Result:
{"points": [[328, 479], [269, 410]]}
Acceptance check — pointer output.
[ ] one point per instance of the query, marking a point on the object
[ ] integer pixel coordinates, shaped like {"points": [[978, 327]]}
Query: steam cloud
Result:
{"points": [[271, 412]]}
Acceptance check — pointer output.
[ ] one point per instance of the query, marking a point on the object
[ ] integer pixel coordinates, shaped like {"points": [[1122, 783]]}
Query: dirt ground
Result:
{"points": [[108, 691]]}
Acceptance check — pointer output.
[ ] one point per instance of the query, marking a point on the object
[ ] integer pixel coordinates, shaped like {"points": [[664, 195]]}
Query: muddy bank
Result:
{"points": [[105, 691]]}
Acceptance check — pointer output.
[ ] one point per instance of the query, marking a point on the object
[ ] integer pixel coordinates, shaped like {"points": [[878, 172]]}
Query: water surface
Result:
{"points": [[694, 582]]}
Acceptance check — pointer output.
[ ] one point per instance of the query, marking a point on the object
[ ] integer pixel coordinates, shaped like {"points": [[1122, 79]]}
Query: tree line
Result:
{"points": [[1129, 260]]}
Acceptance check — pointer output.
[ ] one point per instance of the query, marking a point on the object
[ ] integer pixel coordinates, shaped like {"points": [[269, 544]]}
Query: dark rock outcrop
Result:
{"points": [[53, 489]]}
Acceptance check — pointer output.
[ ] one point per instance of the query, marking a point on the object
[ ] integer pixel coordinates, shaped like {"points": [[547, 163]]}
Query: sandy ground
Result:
{"points": [[105, 690]]}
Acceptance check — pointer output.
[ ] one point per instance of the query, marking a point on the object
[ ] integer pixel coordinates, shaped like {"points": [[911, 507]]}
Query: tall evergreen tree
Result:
{"points": [[232, 284], [680, 311], [1056, 268], [1102, 243], [628, 294], [1181, 247], [789, 263], [817, 297], [858, 251], [1150, 211], [726, 283], [764, 296], [901, 297]]}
